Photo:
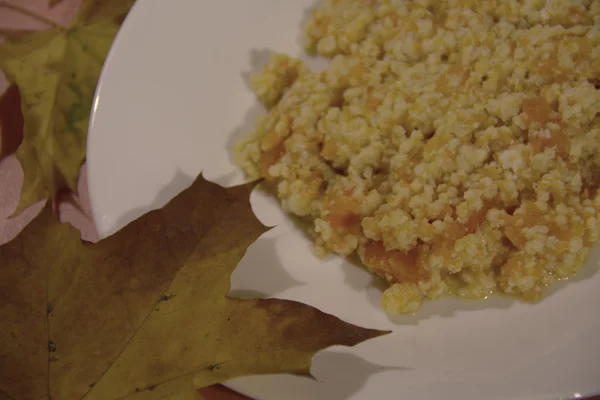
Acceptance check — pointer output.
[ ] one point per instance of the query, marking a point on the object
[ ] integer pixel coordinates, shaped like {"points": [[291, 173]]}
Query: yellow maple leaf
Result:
{"points": [[56, 72], [145, 312]]}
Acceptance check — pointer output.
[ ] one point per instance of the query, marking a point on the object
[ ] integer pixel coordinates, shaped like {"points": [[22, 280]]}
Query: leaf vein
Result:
{"points": [[199, 239]]}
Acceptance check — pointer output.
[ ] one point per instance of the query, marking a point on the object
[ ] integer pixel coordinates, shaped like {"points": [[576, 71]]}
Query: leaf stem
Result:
{"points": [[29, 13]]}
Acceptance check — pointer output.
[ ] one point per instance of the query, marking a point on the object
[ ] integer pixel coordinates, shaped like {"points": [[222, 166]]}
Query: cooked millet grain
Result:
{"points": [[453, 145]]}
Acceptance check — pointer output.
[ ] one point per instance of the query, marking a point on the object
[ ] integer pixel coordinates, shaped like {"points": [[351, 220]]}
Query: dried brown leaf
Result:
{"points": [[145, 311], [11, 121]]}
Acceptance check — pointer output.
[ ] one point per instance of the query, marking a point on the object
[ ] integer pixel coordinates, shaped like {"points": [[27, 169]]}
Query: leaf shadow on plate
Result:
{"points": [[262, 269], [338, 375], [342, 383]]}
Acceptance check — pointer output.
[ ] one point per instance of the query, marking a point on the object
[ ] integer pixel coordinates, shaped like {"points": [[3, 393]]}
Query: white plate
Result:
{"points": [[171, 101]]}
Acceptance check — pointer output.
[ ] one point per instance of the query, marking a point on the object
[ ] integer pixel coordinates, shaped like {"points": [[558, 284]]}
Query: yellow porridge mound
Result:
{"points": [[454, 146]]}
